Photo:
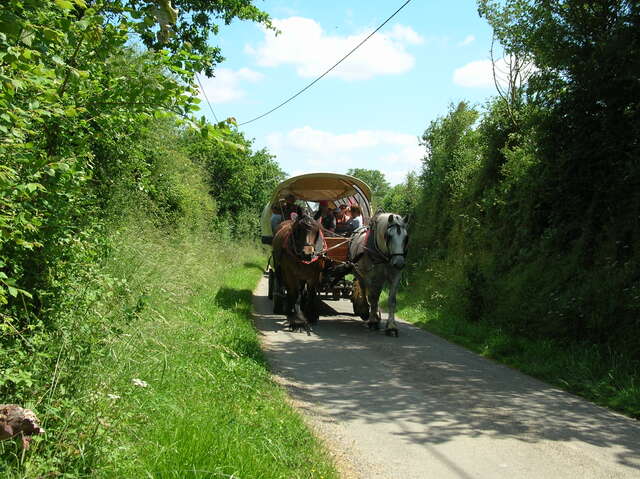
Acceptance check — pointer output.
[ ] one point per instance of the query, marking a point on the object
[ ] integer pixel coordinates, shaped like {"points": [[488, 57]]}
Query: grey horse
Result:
{"points": [[378, 255]]}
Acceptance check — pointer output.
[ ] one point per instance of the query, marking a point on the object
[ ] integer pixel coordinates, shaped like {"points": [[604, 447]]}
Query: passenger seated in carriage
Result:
{"points": [[325, 216], [354, 222], [276, 215], [339, 213]]}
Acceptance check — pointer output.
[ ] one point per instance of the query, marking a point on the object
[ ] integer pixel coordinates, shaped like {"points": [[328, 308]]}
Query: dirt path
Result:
{"points": [[420, 407]]}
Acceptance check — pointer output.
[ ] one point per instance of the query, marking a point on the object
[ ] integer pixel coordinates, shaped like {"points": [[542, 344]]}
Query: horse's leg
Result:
{"points": [[312, 304], [394, 281], [305, 306], [292, 303], [373, 291]]}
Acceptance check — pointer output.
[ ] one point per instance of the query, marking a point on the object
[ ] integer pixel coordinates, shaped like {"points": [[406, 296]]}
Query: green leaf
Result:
{"points": [[50, 34], [26, 36], [12, 291], [64, 4], [25, 293]]}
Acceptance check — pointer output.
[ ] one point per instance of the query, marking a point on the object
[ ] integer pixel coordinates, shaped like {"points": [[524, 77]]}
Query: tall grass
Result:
{"points": [[180, 387]]}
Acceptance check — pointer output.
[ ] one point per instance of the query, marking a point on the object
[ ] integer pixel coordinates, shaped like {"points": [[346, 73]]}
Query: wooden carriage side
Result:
{"points": [[337, 248]]}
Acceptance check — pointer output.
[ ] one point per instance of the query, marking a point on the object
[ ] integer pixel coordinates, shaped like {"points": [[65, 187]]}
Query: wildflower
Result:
{"points": [[139, 382], [113, 396]]}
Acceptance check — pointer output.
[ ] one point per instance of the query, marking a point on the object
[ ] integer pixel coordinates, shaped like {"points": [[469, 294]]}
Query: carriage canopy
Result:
{"points": [[313, 187]]}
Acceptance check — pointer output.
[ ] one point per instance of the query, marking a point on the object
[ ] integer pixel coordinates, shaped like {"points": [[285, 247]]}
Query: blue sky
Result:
{"points": [[371, 111]]}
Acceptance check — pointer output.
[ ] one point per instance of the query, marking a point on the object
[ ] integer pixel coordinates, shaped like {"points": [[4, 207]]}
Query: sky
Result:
{"points": [[369, 112]]}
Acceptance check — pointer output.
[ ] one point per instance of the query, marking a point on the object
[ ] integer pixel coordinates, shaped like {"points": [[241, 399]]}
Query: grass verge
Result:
{"points": [[181, 388], [598, 374], [209, 408]]}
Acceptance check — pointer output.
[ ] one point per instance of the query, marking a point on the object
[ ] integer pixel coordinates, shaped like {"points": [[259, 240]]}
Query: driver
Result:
{"points": [[291, 210]]}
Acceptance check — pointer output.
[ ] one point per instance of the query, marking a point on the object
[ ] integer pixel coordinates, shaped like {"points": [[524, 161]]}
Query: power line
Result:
{"points": [[205, 97], [326, 72]]}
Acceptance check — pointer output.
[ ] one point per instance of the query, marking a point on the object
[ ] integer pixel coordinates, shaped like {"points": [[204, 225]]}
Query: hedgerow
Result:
{"points": [[97, 123]]}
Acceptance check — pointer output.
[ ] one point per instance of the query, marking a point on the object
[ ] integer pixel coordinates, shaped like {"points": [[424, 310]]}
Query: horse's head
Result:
{"points": [[396, 239], [308, 242]]}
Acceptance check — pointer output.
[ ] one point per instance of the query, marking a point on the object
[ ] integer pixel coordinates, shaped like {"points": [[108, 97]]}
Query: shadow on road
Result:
{"points": [[430, 390]]}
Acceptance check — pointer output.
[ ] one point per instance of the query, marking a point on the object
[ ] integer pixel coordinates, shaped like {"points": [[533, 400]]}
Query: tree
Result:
{"points": [[240, 180], [402, 198], [76, 96]]}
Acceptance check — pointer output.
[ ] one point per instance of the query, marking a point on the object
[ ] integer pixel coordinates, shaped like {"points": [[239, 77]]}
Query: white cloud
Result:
{"points": [[304, 44], [475, 74], [225, 86], [306, 149], [480, 73], [469, 39], [405, 34]]}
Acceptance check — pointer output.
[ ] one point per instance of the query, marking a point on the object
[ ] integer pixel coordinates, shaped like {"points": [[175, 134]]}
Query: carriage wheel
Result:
{"points": [[272, 275], [347, 290], [359, 301], [278, 297], [336, 294]]}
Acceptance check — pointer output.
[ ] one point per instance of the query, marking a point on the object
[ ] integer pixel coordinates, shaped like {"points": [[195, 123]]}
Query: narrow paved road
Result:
{"points": [[420, 407]]}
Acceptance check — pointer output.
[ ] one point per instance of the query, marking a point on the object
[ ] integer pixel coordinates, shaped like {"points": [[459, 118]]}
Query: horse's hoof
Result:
{"points": [[391, 332]]}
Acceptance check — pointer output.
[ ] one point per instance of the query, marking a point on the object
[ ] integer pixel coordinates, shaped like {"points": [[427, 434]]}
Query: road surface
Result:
{"points": [[421, 407]]}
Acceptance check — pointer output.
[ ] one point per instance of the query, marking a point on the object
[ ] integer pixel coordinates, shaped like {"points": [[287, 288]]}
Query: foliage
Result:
{"points": [[241, 180], [528, 211], [402, 198], [92, 127], [74, 98]]}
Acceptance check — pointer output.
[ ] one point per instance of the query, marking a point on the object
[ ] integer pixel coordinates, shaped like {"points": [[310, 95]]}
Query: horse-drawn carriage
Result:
{"points": [[308, 260]]}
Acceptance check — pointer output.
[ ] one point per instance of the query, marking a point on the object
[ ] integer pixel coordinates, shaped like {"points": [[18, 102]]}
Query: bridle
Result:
{"points": [[300, 254], [386, 239]]}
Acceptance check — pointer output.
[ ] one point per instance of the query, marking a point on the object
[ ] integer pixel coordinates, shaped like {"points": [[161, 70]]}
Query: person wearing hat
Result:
{"points": [[324, 215], [291, 210]]}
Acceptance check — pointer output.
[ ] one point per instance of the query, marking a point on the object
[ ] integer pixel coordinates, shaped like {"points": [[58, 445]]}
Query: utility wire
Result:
{"points": [[205, 97], [326, 72]]}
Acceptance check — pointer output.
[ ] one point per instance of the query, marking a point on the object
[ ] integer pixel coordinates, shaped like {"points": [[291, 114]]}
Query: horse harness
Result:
{"points": [[371, 246]]}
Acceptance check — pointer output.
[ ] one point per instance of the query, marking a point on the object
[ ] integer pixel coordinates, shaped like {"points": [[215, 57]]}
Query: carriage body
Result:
{"points": [[309, 189]]}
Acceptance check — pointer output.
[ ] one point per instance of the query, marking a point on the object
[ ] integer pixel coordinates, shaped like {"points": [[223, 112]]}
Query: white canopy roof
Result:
{"points": [[321, 186]]}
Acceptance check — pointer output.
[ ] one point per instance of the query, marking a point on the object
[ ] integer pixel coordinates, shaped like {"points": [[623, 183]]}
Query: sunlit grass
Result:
{"points": [[210, 408], [180, 388]]}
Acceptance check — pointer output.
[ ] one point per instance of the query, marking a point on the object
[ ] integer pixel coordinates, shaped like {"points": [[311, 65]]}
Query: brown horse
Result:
{"points": [[298, 258]]}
